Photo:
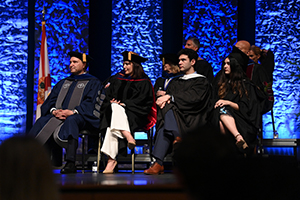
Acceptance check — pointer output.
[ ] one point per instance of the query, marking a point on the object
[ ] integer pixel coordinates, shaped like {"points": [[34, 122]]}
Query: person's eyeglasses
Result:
{"points": [[251, 56]]}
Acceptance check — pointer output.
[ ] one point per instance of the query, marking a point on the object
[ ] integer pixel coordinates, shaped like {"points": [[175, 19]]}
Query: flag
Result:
{"points": [[44, 85]]}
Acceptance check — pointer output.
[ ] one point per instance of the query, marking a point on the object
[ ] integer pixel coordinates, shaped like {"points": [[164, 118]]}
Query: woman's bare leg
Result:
{"points": [[229, 122], [222, 128], [128, 136], [111, 164], [130, 139]]}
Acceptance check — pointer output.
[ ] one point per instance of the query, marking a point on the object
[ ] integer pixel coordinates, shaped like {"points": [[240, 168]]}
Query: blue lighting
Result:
{"points": [[140, 135], [137, 27], [13, 67], [277, 29], [283, 151], [140, 182], [67, 24], [214, 23]]}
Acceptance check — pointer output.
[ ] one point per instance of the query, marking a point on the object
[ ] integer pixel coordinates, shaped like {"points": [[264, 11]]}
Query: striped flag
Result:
{"points": [[44, 87]]}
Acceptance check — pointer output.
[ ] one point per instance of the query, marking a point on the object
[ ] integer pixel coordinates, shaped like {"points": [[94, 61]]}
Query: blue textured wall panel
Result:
{"points": [[67, 28], [13, 67], [137, 27], [214, 23], [278, 29]]}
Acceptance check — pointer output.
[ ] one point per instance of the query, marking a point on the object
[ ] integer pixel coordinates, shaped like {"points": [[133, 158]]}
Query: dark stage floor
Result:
{"points": [[121, 178], [124, 185]]}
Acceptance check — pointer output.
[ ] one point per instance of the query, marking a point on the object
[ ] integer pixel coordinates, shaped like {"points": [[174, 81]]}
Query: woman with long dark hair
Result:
{"points": [[129, 105], [236, 106]]}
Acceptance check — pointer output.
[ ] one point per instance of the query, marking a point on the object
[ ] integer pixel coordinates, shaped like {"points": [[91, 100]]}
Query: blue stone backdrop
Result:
{"points": [[137, 27], [66, 29], [13, 67], [278, 29], [214, 23]]}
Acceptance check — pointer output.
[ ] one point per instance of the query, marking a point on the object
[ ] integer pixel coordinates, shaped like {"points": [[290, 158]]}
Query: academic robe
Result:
{"points": [[247, 118], [138, 97], [191, 103], [164, 81], [268, 64], [88, 116], [204, 68], [262, 76]]}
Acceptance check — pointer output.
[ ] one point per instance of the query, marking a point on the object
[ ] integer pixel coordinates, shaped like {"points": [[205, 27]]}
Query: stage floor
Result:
{"points": [[124, 185], [121, 178]]}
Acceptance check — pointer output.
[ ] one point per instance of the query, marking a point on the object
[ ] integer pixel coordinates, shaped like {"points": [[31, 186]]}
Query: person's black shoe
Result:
{"points": [[69, 168]]}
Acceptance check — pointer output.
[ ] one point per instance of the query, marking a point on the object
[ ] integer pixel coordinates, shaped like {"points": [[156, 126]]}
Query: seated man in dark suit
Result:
{"points": [[73, 105]]}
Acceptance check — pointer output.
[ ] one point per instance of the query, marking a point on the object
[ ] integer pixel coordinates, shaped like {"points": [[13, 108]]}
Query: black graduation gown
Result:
{"points": [[137, 95], [160, 82], [247, 118], [262, 76], [203, 67], [268, 64], [89, 107], [191, 103]]}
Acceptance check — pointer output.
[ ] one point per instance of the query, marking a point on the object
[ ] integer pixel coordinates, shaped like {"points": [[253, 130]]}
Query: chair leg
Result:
{"points": [[275, 134], [132, 161], [82, 153], [150, 141], [99, 154]]}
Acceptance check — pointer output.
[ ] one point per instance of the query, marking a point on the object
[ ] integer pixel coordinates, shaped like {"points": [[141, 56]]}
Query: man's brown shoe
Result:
{"points": [[176, 142], [155, 169]]}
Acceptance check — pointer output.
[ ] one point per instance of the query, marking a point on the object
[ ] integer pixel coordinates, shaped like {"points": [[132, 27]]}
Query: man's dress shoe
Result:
{"points": [[69, 168], [176, 142], [155, 169]]}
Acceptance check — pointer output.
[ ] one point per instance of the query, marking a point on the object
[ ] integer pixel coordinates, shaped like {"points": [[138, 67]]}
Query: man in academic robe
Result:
{"points": [[262, 74], [202, 66], [73, 105], [185, 108]]}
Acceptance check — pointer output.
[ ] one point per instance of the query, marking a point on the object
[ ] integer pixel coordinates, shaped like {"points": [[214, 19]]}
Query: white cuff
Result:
{"points": [[52, 109]]}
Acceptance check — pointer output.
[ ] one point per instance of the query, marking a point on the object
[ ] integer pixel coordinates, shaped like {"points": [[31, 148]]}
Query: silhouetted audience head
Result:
{"points": [[208, 168], [26, 171]]}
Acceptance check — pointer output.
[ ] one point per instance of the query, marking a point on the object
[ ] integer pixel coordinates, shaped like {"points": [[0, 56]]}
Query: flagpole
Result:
{"points": [[44, 12], [44, 82]]}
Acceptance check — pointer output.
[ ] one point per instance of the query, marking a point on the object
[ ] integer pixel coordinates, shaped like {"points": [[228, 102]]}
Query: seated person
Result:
{"points": [[73, 105], [237, 108], [184, 109], [202, 66], [129, 105], [241, 50], [170, 71]]}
